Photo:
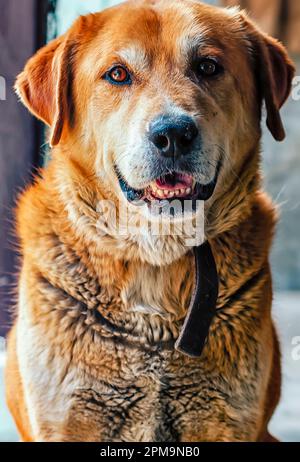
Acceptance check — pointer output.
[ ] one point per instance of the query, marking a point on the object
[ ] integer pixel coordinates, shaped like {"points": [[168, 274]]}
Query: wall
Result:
{"points": [[18, 36]]}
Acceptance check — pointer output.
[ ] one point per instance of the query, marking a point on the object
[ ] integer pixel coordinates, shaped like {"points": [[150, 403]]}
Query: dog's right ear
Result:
{"points": [[44, 85]]}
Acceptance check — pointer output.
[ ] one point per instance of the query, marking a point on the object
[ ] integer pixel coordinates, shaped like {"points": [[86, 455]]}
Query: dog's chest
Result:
{"points": [[156, 406]]}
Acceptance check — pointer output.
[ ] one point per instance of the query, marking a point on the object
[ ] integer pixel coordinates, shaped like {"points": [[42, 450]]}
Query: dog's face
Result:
{"points": [[162, 98]]}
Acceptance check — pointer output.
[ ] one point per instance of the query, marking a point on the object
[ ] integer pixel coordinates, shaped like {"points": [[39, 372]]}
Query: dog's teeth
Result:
{"points": [[165, 194]]}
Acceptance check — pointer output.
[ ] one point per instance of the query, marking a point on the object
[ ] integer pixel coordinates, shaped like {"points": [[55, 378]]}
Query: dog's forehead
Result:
{"points": [[143, 33], [136, 27]]}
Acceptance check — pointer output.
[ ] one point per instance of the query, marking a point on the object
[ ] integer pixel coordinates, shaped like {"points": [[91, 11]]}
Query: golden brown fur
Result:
{"points": [[85, 362]]}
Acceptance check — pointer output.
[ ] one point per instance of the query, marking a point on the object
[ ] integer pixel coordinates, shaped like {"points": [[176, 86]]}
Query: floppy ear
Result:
{"points": [[274, 71], [44, 85], [277, 72]]}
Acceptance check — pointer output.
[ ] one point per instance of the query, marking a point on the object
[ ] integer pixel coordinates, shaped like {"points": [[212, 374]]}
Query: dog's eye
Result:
{"points": [[208, 68], [118, 75]]}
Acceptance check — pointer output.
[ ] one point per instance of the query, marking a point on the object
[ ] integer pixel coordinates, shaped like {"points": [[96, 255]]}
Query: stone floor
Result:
{"points": [[286, 422], [286, 313]]}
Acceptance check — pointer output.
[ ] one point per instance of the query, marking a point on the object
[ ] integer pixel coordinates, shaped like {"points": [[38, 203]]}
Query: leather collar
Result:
{"points": [[202, 309]]}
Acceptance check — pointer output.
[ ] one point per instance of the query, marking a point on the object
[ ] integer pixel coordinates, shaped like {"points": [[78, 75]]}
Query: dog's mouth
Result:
{"points": [[169, 187]]}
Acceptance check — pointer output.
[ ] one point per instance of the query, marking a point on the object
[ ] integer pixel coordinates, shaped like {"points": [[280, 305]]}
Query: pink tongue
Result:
{"points": [[173, 182]]}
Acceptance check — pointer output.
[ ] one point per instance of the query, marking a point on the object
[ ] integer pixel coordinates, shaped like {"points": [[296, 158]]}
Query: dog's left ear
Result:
{"points": [[276, 83], [274, 71]]}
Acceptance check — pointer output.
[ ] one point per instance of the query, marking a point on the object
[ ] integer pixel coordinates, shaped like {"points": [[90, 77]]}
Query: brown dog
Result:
{"points": [[160, 99]]}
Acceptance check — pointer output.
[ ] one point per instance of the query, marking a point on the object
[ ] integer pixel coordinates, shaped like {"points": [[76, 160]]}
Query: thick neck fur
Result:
{"points": [[80, 193]]}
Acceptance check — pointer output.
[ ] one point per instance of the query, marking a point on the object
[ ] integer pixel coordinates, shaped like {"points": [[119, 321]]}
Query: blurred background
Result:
{"points": [[25, 25]]}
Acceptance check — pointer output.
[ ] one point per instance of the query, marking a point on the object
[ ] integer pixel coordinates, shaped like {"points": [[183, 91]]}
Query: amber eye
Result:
{"points": [[118, 75], [208, 68]]}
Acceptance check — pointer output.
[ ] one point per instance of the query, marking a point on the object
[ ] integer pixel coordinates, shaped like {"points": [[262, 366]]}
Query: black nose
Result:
{"points": [[173, 137]]}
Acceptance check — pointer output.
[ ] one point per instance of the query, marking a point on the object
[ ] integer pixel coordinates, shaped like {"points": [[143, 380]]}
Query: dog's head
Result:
{"points": [[161, 98]]}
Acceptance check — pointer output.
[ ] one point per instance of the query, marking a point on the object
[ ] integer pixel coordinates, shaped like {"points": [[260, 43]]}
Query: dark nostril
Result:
{"points": [[161, 142], [188, 137]]}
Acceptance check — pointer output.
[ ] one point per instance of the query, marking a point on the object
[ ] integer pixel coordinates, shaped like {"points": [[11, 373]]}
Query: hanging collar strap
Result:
{"points": [[202, 309]]}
